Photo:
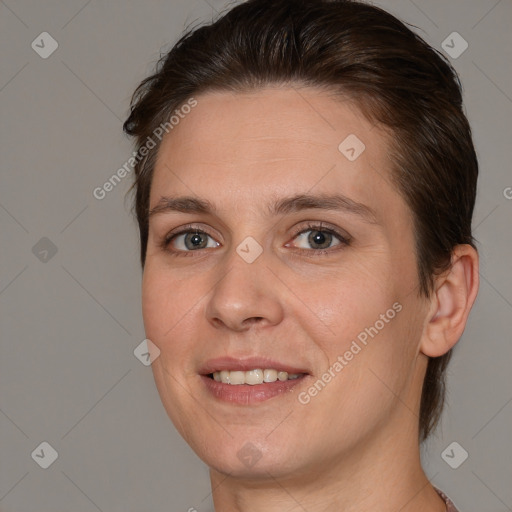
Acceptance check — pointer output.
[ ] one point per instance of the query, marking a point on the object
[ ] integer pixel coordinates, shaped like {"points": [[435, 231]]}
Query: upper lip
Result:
{"points": [[246, 364]]}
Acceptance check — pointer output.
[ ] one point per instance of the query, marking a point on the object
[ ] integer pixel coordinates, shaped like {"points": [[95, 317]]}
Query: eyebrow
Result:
{"points": [[296, 203]]}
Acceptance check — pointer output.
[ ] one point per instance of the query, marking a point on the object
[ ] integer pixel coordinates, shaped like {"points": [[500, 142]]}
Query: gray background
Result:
{"points": [[71, 321]]}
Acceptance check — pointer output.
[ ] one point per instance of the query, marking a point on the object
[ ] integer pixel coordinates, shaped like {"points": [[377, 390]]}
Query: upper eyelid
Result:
{"points": [[341, 234], [318, 225], [187, 228]]}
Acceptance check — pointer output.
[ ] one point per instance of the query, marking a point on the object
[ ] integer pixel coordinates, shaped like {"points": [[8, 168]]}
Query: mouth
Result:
{"points": [[253, 377], [250, 380]]}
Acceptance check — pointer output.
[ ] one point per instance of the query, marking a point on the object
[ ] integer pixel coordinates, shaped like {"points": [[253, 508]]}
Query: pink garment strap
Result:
{"points": [[450, 507]]}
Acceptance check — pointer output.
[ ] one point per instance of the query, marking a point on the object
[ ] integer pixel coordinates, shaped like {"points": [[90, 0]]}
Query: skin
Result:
{"points": [[354, 446]]}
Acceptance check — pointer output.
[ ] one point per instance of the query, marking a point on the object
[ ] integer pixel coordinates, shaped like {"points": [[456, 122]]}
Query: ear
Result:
{"points": [[454, 294]]}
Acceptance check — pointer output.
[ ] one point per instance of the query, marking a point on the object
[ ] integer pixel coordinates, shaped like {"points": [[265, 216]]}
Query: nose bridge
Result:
{"points": [[246, 292]]}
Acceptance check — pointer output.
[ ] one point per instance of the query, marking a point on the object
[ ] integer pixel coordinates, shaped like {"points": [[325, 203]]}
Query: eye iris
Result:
{"points": [[195, 241], [320, 238]]}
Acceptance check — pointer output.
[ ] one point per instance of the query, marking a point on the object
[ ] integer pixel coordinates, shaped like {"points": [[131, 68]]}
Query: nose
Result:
{"points": [[245, 296]]}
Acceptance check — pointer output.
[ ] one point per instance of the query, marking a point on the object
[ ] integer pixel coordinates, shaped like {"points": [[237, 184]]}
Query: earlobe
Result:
{"points": [[454, 295]]}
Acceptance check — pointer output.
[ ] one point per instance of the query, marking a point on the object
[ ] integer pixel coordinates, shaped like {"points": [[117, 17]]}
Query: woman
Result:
{"points": [[305, 185]]}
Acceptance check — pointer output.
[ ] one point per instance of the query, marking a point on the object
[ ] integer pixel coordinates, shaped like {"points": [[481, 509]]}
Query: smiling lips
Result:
{"points": [[253, 377], [247, 381]]}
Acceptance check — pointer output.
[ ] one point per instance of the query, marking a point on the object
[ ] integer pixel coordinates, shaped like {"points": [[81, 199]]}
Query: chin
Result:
{"points": [[240, 457], [251, 467]]}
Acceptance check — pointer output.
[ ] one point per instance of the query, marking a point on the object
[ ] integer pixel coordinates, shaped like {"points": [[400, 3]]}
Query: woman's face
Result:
{"points": [[278, 242]]}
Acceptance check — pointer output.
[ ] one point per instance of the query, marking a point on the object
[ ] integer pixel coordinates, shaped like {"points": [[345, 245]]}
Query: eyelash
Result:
{"points": [[190, 228], [344, 240]]}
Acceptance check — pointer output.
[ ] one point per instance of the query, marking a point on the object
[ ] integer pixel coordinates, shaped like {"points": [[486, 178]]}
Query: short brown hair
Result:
{"points": [[359, 51]]}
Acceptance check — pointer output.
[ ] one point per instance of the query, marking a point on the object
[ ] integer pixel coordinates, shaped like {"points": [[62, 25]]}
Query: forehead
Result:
{"points": [[239, 149]]}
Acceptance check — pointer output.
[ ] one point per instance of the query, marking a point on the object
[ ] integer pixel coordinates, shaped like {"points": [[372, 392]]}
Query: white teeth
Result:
{"points": [[252, 377], [269, 375], [236, 378]]}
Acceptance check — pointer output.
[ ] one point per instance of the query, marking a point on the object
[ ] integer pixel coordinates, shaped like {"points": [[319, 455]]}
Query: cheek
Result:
{"points": [[154, 304], [360, 317], [166, 303], [348, 301]]}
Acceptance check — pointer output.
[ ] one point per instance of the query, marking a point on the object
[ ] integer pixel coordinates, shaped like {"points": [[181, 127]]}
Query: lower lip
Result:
{"points": [[246, 394]]}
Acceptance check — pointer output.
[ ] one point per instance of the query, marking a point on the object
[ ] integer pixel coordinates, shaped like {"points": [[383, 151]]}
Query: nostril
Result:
{"points": [[254, 319]]}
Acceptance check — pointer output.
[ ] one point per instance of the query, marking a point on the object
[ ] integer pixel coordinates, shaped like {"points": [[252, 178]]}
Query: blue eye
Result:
{"points": [[317, 239], [191, 241]]}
